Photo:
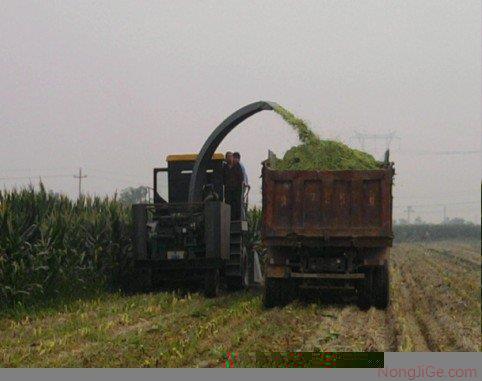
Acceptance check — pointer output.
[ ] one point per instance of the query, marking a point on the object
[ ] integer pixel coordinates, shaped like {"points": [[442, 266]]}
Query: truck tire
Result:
{"points": [[364, 290], [381, 287], [211, 283], [277, 292]]}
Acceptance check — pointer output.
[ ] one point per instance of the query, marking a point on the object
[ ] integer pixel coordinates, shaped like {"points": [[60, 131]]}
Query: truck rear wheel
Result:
{"points": [[364, 290], [211, 283], [381, 287], [277, 292]]}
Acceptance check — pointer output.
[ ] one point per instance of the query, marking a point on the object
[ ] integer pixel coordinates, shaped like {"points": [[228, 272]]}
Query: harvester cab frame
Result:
{"points": [[178, 174], [190, 244]]}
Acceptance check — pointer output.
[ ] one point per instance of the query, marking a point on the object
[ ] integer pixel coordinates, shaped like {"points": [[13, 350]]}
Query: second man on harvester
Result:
{"points": [[234, 176]]}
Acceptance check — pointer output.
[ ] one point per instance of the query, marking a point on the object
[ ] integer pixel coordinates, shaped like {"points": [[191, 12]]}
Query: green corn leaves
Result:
{"points": [[51, 246]]}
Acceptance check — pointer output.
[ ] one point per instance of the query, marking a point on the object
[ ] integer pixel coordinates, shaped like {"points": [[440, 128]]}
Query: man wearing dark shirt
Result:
{"points": [[233, 186]]}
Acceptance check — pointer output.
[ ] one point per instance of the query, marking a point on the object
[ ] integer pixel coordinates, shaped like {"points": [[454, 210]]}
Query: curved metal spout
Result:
{"points": [[199, 171]]}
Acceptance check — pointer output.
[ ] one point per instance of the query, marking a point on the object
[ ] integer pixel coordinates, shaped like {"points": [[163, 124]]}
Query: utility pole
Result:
{"points": [[409, 210], [80, 177], [149, 190]]}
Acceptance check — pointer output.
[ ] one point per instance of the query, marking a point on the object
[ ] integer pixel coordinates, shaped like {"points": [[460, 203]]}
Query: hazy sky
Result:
{"points": [[115, 86]]}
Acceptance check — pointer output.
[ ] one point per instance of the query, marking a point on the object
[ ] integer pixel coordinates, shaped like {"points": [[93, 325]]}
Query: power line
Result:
{"points": [[118, 179], [115, 173], [438, 204], [40, 170], [447, 194], [435, 211], [36, 169], [446, 153], [30, 177], [82, 176]]}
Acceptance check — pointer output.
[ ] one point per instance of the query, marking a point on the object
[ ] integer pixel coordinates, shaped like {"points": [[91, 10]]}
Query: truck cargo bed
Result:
{"points": [[327, 207]]}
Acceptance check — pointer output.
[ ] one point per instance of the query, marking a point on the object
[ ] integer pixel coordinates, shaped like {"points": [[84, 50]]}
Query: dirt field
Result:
{"points": [[435, 290]]}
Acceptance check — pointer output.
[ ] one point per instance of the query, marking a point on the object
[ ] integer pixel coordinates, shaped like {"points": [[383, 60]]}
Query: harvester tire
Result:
{"points": [[277, 292], [234, 283], [211, 283], [381, 287], [139, 280]]}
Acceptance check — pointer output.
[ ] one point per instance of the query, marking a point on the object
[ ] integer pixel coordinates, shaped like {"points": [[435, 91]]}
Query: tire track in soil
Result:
{"points": [[465, 286], [376, 335], [393, 330], [458, 307], [400, 327], [450, 304], [439, 327], [393, 334], [407, 332], [468, 251], [208, 329], [351, 329], [326, 331], [455, 259], [424, 327], [454, 272]]}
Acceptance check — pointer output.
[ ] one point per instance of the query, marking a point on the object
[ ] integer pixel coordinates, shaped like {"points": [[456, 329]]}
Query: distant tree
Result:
{"points": [[132, 195], [418, 221], [457, 221], [53, 194]]}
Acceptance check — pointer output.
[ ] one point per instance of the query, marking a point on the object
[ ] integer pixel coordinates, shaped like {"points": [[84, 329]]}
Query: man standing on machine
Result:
{"points": [[233, 184], [237, 159]]}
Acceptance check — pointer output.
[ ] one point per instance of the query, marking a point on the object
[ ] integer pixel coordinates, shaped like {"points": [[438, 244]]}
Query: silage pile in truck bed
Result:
{"points": [[317, 154]]}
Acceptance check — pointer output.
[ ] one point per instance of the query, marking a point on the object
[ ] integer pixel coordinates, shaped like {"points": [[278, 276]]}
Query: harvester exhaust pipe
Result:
{"points": [[212, 143]]}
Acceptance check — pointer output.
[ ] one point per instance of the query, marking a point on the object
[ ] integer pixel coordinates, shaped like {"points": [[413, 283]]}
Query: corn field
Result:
{"points": [[53, 247]]}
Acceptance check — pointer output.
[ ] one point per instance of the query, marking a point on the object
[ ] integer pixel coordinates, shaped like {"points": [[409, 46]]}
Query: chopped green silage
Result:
{"points": [[305, 134], [325, 155], [317, 154]]}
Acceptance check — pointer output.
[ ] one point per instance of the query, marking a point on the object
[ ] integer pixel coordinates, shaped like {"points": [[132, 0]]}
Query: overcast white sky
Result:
{"points": [[115, 86]]}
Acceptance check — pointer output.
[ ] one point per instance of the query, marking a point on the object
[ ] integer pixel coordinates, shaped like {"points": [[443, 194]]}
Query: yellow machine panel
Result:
{"points": [[191, 157]]}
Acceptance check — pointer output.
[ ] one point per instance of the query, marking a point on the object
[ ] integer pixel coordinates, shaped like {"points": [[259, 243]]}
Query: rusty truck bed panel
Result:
{"points": [[327, 204]]}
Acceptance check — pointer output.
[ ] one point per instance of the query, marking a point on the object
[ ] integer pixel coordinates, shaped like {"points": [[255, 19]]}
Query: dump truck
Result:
{"points": [[327, 230]]}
